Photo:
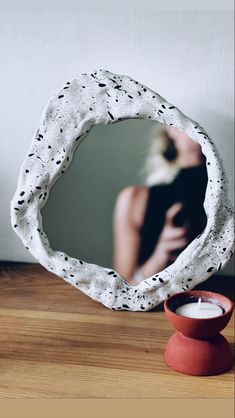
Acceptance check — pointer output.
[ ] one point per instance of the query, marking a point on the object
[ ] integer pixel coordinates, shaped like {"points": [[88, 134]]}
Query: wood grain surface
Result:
{"points": [[55, 342]]}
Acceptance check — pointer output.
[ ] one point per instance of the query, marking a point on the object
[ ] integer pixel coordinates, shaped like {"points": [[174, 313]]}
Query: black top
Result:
{"points": [[188, 188]]}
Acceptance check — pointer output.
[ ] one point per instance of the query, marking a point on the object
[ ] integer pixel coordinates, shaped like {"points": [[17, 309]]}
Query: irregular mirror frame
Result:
{"points": [[101, 97]]}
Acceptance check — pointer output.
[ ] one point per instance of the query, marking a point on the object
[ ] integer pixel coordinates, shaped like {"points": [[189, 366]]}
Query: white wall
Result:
{"points": [[185, 56]]}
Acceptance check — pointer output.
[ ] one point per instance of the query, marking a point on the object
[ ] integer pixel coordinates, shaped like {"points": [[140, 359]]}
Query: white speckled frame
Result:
{"points": [[103, 97]]}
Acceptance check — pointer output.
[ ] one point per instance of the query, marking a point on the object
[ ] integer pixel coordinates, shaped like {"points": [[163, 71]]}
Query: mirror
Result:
{"points": [[139, 219], [104, 212]]}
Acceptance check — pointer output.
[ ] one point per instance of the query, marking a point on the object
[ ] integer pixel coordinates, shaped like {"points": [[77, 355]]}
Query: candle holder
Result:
{"points": [[197, 347]]}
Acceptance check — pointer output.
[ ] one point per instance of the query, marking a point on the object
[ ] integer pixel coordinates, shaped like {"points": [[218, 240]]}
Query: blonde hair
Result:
{"points": [[157, 168]]}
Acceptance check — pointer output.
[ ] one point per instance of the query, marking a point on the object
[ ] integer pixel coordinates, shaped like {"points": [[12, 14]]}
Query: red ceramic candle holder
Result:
{"points": [[197, 347]]}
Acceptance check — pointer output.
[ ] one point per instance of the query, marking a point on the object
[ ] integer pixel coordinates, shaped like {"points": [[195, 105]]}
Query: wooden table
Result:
{"points": [[55, 342]]}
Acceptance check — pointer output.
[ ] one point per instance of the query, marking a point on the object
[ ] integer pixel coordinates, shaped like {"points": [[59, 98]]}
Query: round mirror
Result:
{"points": [[148, 199], [139, 219]]}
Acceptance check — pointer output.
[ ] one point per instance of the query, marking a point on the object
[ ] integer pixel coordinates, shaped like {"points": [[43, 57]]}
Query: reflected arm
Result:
{"points": [[128, 218], [126, 232]]}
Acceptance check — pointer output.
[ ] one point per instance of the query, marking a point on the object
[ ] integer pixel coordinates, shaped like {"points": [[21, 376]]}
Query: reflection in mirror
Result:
{"points": [[154, 222], [134, 198]]}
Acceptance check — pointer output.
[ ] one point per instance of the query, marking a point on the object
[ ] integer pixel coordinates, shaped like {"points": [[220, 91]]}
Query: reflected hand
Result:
{"points": [[172, 239]]}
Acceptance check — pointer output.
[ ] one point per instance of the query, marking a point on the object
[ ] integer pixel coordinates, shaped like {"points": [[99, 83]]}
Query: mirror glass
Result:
{"points": [[131, 200]]}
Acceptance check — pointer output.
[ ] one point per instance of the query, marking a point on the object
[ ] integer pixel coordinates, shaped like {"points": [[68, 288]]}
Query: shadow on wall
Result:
{"points": [[78, 215], [220, 128]]}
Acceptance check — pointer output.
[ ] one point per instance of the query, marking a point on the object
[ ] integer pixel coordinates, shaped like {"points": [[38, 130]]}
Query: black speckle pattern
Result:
{"points": [[102, 95], [111, 116]]}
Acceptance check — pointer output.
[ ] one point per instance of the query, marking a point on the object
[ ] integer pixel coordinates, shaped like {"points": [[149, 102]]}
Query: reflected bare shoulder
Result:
{"points": [[131, 204]]}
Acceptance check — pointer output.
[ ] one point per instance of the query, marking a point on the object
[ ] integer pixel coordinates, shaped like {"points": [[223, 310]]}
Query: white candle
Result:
{"points": [[199, 310]]}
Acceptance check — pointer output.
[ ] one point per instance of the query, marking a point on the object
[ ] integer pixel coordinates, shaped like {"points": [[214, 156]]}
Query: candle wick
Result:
{"points": [[199, 303]]}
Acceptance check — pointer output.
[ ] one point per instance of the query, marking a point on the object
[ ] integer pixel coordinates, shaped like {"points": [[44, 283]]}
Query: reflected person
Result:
{"points": [[153, 223]]}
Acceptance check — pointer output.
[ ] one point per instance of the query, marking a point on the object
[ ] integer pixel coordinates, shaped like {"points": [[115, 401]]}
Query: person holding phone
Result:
{"points": [[155, 222]]}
